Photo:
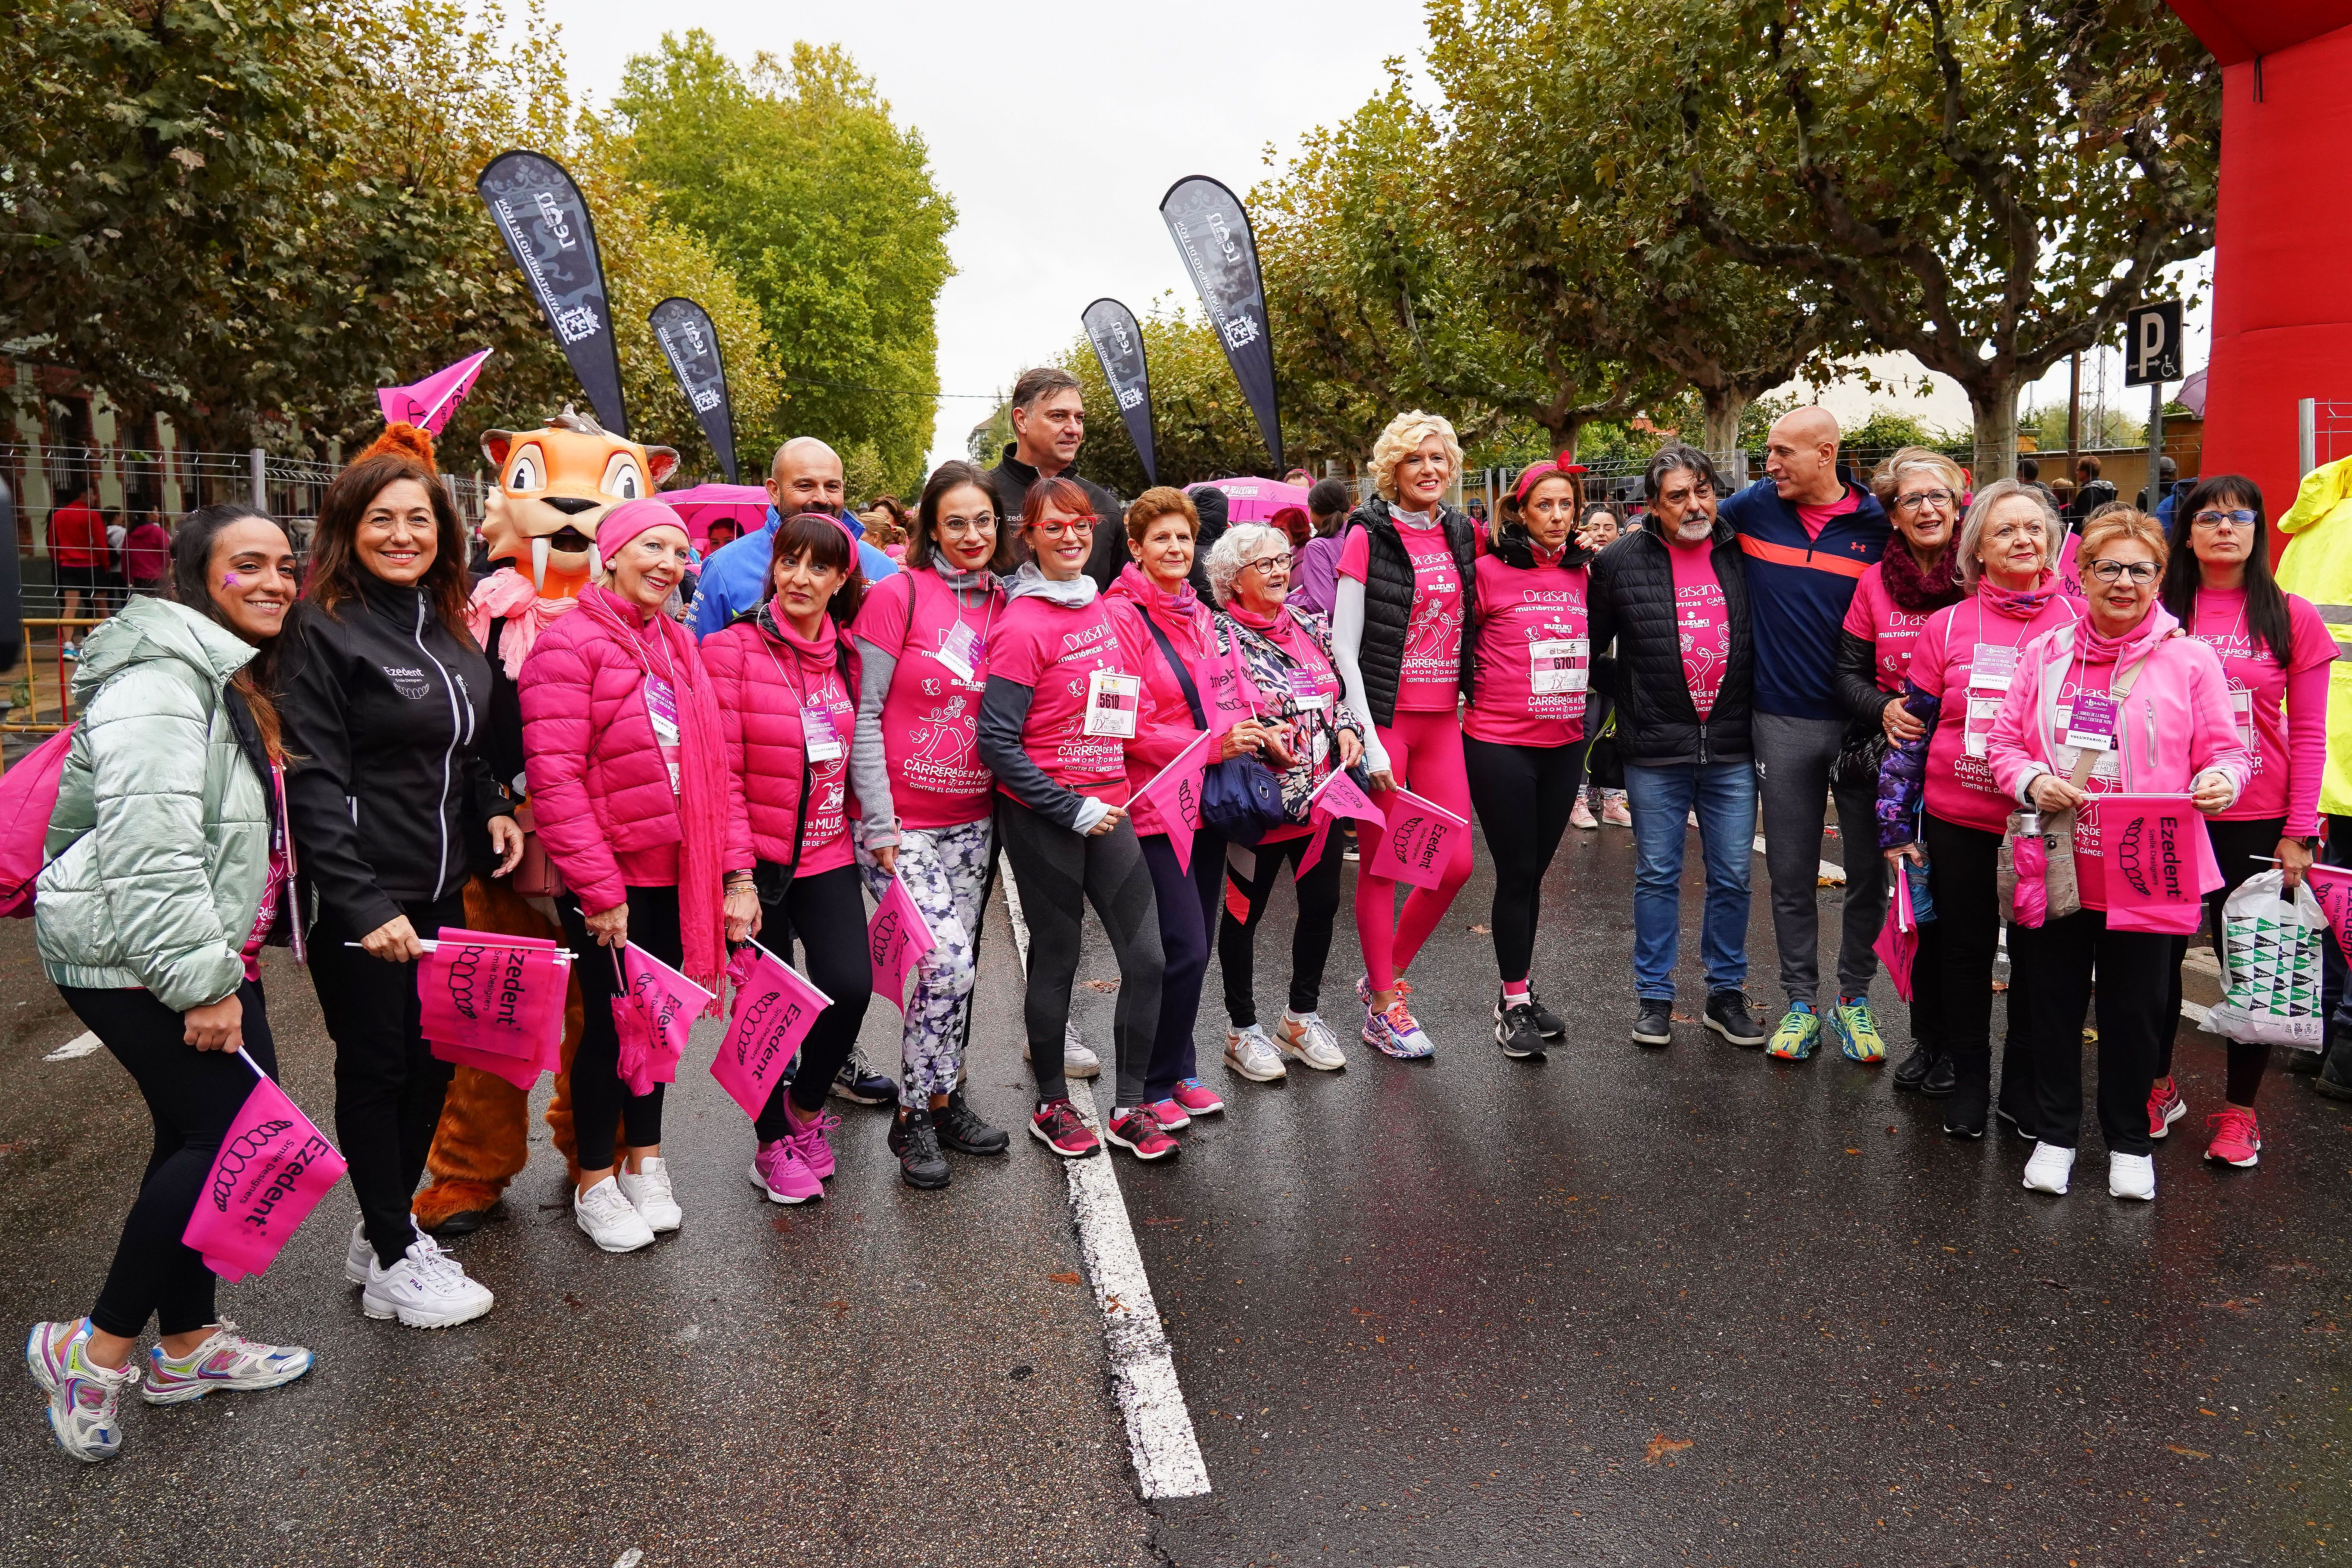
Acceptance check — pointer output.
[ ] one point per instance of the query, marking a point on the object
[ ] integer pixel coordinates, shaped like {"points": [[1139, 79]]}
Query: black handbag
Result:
{"points": [[1241, 799]]}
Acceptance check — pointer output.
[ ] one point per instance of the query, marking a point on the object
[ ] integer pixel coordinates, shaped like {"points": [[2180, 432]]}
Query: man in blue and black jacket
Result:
{"points": [[1808, 536]]}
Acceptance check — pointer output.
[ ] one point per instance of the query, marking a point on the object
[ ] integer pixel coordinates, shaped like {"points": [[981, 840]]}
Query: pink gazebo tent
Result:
{"points": [[701, 505], [1259, 501]]}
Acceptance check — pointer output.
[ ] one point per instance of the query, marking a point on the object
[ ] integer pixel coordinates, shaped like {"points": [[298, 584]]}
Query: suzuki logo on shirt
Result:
{"points": [[409, 683]]}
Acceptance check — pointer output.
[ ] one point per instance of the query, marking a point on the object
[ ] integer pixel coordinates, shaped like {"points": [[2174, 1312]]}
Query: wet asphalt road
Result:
{"points": [[1616, 1307]]}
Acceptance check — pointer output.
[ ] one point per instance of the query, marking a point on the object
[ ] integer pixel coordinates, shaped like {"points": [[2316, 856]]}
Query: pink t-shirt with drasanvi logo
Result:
{"points": [[1053, 651], [1704, 619], [2259, 692], [1817, 518], [1432, 680], [1532, 656], [824, 826], [930, 717], [1892, 631], [1965, 658]]}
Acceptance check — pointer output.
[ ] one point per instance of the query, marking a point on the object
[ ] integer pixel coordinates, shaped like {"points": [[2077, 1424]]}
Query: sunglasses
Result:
{"points": [[2212, 519]]}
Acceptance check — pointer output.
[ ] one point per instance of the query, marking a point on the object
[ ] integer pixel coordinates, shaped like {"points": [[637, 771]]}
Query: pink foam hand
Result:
{"points": [[273, 1167], [428, 403], [773, 1009]]}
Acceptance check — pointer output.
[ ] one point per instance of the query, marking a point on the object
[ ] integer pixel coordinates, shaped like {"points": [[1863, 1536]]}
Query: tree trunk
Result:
{"points": [[1720, 428], [1564, 431], [1995, 409]]}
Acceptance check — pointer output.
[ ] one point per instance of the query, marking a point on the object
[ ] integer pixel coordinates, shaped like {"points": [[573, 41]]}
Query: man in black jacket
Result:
{"points": [[1672, 594], [1049, 423]]}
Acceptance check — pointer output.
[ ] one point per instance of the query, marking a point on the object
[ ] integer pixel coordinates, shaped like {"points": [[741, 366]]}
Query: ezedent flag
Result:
{"points": [[692, 345], [1119, 349], [544, 220], [1212, 234]]}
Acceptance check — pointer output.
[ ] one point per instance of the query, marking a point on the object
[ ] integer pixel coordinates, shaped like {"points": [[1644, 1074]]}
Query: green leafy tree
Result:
{"points": [[825, 212]]}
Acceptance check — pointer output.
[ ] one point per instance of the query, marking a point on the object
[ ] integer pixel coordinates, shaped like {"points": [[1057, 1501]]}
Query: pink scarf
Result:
{"points": [[505, 595], [702, 780], [2160, 624], [2017, 603]]}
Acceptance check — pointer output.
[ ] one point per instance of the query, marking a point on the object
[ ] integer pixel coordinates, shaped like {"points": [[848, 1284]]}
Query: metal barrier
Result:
{"points": [[25, 703]]}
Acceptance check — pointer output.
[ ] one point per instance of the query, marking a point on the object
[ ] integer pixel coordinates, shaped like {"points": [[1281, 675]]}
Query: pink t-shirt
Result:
{"points": [[1704, 619], [1817, 518], [1054, 651], [1959, 785], [930, 716], [2287, 766], [1431, 681], [1532, 656], [1892, 631], [824, 826]]}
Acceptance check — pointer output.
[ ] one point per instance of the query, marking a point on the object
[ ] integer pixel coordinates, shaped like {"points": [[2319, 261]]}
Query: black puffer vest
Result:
{"points": [[1632, 601], [1388, 599]]}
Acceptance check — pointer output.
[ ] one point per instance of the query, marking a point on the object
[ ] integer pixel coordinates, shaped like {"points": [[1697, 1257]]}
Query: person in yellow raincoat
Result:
{"points": [[2318, 564]]}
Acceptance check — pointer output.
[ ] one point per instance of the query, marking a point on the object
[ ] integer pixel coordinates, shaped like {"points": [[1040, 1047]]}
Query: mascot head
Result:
{"points": [[555, 484]]}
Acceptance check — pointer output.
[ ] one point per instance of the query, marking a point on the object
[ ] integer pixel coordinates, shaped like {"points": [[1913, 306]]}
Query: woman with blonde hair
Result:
{"points": [[1406, 562]]}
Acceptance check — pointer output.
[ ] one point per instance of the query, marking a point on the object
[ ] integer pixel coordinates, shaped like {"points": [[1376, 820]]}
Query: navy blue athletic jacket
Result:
{"points": [[1798, 592]]}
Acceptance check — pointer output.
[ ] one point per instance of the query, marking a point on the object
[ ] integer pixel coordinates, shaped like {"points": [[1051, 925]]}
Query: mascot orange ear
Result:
{"points": [[663, 462], [496, 445]]}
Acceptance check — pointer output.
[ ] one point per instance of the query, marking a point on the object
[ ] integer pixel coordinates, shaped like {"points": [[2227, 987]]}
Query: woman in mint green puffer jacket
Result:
{"points": [[169, 868]]}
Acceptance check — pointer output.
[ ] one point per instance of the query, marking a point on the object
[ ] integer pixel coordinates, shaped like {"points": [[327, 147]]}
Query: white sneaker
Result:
{"points": [[609, 1219], [2047, 1169], [1249, 1053], [426, 1290], [648, 1192], [2132, 1176], [1077, 1060], [1309, 1040], [361, 1259]]}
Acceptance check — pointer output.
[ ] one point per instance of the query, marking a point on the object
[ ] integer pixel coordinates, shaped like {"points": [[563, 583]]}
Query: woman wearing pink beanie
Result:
{"points": [[623, 749]]}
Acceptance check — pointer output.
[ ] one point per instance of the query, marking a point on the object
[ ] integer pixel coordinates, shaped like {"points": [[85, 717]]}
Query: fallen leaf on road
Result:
{"points": [[2190, 1453], [840, 1309], [1482, 931], [1660, 1445], [1102, 984], [1853, 1151], [1062, 1279]]}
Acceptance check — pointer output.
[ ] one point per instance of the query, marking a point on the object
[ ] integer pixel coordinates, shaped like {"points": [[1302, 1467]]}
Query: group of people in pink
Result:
{"points": [[259, 764]]}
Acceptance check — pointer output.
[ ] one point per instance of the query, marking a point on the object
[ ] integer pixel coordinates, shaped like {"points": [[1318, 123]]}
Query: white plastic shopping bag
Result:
{"points": [[2270, 966]]}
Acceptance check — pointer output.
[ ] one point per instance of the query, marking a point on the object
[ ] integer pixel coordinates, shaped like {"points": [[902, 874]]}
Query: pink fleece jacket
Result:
{"points": [[761, 681], [599, 787]]}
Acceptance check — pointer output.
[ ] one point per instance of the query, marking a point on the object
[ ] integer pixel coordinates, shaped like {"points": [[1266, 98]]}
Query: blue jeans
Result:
{"points": [[1723, 795]]}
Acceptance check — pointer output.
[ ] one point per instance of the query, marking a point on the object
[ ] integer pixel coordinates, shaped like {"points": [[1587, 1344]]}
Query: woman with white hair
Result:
{"points": [[1938, 805], [1405, 570], [1285, 653]]}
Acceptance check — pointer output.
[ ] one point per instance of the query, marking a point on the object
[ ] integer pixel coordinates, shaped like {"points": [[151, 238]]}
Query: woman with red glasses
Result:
{"points": [[2275, 651]]}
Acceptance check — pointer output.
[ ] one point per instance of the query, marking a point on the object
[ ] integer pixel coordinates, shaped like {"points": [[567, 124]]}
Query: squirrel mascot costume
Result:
{"points": [[538, 525]]}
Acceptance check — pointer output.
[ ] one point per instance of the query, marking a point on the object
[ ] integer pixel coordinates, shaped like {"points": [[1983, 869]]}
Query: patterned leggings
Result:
{"points": [[946, 873]]}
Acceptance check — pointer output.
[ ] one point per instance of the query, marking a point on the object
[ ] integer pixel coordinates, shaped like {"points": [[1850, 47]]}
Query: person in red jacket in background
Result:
{"points": [[78, 549]]}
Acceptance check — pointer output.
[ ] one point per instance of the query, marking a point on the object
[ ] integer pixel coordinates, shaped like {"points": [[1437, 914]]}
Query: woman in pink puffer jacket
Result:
{"points": [[2171, 734], [624, 751], [787, 680]]}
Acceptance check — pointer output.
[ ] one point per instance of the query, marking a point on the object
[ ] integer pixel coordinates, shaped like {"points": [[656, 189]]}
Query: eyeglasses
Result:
{"points": [[1266, 560], [1075, 525], [1917, 498], [2211, 520], [2139, 572], [965, 526]]}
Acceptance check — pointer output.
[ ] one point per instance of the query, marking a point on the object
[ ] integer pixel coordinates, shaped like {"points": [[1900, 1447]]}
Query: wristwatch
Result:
{"points": [[2310, 843]]}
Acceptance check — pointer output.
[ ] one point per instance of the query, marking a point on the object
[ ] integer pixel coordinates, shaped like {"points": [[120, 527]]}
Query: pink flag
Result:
{"points": [[896, 941], [773, 1009], [428, 403], [1418, 841], [2156, 861], [1175, 792], [653, 1018], [1335, 798], [1898, 940], [272, 1169], [494, 993], [2333, 888], [1230, 695]]}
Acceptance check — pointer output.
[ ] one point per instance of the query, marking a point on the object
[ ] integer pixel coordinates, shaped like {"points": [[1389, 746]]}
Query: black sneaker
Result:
{"points": [[1728, 1015], [1547, 1021], [1964, 1113], [861, 1084], [916, 1141], [1517, 1031], [1655, 1024], [961, 1129]]}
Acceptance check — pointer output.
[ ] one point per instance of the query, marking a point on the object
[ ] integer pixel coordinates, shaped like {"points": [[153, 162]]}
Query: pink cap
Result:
{"points": [[630, 519]]}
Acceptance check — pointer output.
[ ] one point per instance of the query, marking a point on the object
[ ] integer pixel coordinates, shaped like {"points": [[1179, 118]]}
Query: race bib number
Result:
{"points": [[1112, 702], [1992, 668], [2091, 726], [821, 739], [1558, 665], [962, 652]]}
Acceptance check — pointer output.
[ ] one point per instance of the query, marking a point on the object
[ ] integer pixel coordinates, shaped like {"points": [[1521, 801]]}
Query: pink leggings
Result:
{"points": [[1425, 756]]}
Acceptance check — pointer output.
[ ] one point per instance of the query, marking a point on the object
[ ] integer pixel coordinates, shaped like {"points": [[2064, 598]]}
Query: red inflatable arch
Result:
{"points": [[2282, 235]]}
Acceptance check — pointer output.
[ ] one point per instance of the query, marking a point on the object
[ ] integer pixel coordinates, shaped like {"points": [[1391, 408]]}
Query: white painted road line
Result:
{"points": [[1833, 874], [1160, 1435], [81, 1044]]}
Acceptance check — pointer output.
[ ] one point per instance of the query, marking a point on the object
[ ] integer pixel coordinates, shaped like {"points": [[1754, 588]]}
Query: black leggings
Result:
{"points": [[827, 912], [599, 1097], [1524, 795], [1310, 939], [388, 1083], [1058, 873], [193, 1096], [1951, 976], [1187, 900], [2057, 959], [2235, 846]]}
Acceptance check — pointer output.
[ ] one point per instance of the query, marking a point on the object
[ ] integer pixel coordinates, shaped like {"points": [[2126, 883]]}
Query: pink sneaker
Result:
{"points": [[1170, 1116], [1197, 1098], [1139, 1134], [2165, 1106], [778, 1171], [1614, 813], [810, 1144], [2237, 1138], [1059, 1127]]}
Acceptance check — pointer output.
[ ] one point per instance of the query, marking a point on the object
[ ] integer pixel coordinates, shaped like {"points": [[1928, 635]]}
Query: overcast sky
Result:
{"points": [[1057, 137], [1056, 128]]}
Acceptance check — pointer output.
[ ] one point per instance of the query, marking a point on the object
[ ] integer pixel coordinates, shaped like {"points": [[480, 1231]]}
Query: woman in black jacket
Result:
{"points": [[386, 697]]}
